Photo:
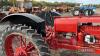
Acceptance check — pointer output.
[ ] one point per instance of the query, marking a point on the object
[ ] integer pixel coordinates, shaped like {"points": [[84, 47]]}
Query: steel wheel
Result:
{"points": [[19, 46], [23, 41]]}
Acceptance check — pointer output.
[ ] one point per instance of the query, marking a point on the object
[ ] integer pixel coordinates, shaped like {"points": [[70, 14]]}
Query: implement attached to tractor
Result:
{"points": [[28, 35]]}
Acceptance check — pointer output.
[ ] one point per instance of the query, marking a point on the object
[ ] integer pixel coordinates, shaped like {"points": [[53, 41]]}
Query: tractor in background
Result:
{"points": [[84, 10], [29, 35]]}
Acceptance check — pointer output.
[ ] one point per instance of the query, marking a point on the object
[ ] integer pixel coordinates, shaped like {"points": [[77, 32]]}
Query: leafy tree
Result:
{"points": [[4, 3], [13, 2]]}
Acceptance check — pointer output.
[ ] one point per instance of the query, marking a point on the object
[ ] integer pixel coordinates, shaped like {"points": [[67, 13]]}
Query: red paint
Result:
{"points": [[72, 25], [22, 48], [65, 25]]}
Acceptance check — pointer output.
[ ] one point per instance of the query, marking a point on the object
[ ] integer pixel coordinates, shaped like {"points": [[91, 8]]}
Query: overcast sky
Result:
{"points": [[79, 1]]}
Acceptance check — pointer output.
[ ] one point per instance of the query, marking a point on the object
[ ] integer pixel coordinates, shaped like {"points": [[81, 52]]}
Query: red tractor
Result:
{"points": [[27, 35]]}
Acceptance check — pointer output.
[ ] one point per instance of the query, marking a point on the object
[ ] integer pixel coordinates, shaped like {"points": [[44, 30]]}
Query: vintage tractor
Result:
{"points": [[27, 35], [84, 10]]}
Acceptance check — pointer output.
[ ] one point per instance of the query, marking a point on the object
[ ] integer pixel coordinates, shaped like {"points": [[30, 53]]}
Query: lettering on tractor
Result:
{"points": [[27, 35]]}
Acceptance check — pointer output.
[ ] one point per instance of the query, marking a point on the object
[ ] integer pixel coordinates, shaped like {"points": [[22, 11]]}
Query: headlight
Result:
{"points": [[90, 39]]}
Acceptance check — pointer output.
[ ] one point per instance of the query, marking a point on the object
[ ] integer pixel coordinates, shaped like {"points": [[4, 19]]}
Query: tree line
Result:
{"points": [[42, 3], [34, 3]]}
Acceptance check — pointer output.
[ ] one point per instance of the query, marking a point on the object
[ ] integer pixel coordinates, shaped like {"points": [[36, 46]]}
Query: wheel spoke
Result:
{"points": [[22, 41], [33, 53], [30, 47], [16, 42]]}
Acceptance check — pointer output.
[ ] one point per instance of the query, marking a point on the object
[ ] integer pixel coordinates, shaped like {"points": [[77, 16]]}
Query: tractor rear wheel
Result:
{"points": [[21, 40]]}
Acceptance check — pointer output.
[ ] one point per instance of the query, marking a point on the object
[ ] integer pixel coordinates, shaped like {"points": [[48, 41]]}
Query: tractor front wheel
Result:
{"points": [[21, 40]]}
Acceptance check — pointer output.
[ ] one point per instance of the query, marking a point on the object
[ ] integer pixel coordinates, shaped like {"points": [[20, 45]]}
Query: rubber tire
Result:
{"points": [[73, 12], [36, 38]]}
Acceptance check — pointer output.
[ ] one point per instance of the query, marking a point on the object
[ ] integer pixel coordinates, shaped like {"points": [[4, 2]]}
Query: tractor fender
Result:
{"points": [[24, 18]]}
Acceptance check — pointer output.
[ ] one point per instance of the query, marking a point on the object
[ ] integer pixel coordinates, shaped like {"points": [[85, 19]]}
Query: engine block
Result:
{"points": [[93, 31]]}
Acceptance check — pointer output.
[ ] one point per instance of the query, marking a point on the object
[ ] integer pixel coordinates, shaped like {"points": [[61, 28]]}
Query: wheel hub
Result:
{"points": [[19, 46], [20, 51]]}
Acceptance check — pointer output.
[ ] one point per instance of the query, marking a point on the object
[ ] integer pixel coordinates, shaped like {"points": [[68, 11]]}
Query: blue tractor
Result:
{"points": [[84, 10]]}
